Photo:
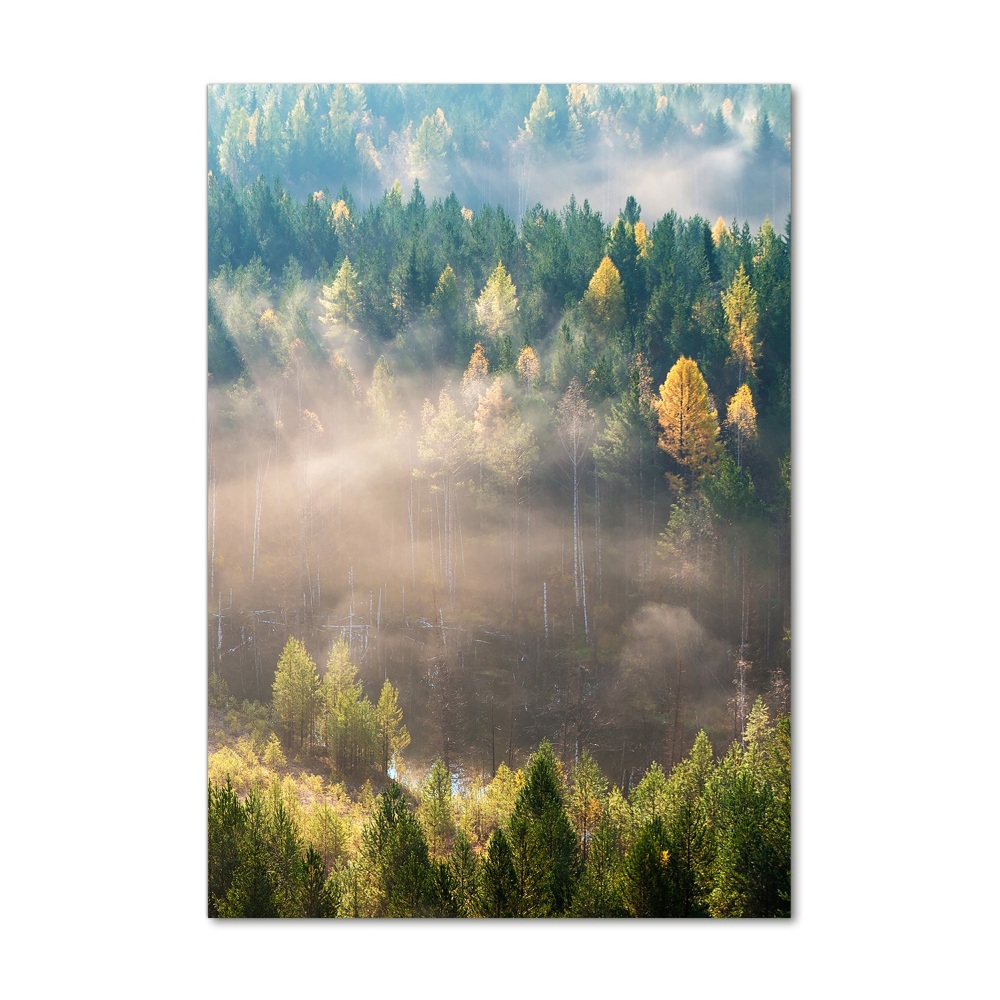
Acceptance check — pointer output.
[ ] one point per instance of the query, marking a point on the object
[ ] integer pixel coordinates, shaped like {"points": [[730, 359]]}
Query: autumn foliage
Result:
{"points": [[689, 423]]}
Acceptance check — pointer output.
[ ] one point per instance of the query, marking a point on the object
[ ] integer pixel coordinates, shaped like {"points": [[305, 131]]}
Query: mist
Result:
{"points": [[327, 523], [361, 485], [694, 150], [712, 183]]}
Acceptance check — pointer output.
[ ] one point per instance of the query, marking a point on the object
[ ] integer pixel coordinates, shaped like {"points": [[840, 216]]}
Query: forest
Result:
{"points": [[499, 501]]}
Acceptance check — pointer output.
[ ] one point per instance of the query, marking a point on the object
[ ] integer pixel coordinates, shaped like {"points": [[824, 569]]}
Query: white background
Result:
{"points": [[895, 237]]}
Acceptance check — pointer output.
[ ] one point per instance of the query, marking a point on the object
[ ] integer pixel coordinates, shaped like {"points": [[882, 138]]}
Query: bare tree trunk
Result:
{"points": [[742, 664], [597, 531], [576, 533], [413, 537], [214, 493], [583, 588], [677, 708], [257, 511]]}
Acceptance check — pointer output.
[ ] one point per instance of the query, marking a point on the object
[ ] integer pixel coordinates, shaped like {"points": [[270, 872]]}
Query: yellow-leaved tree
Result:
{"points": [[529, 368], [476, 377], [604, 300], [739, 301], [496, 306], [741, 419], [341, 299], [689, 422]]}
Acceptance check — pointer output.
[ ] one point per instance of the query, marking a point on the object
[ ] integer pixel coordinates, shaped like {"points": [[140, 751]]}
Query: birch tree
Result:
{"points": [[508, 449], [576, 424], [247, 415], [445, 448]]}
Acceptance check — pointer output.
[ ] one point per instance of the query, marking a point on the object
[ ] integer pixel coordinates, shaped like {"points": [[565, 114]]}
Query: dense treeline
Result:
{"points": [[709, 839], [509, 145], [402, 261]]}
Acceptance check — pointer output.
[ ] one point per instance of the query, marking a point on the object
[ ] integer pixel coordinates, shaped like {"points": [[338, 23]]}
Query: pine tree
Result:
{"points": [[587, 790], [648, 798], [749, 802], [342, 297], [437, 811], [351, 730], [498, 894], [646, 882], [394, 860], [446, 305], [296, 694], [599, 891], [689, 832], [226, 824], [319, 894], [464, 864], [393, 736], [544, 847], [623, 251]]}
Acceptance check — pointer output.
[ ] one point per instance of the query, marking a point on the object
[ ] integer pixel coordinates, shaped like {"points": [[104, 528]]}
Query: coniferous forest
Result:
{"points": [[499, 500]]}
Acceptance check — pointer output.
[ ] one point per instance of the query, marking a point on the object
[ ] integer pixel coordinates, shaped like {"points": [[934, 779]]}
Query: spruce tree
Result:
{"points": [[544, 847], [394, 860], [498, 894], [296, 693]]}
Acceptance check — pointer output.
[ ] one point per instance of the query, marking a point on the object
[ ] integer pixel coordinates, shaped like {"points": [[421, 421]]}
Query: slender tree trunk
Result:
{"points": [[743, 664], [214, 494], [413, 537], [597, 530], [513, 559], [677, 709], [257, 512], [576, 533], [583, 591]]}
